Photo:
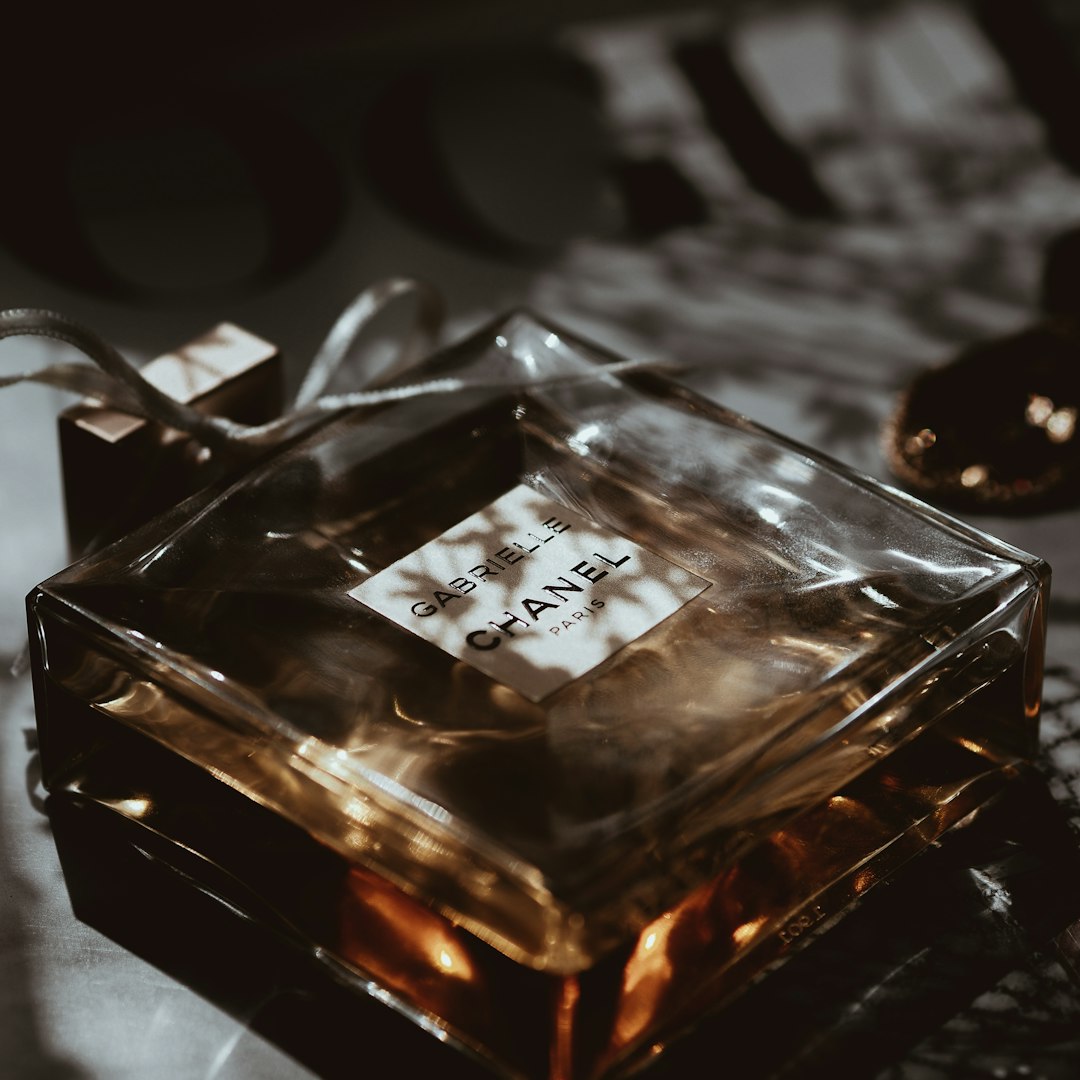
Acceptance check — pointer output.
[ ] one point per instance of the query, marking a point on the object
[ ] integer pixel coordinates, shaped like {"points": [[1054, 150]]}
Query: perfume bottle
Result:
{"points": [[552, 711]]}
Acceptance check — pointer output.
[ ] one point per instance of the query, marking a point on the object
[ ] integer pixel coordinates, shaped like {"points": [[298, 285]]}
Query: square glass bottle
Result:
{"points": [[552, 710]]}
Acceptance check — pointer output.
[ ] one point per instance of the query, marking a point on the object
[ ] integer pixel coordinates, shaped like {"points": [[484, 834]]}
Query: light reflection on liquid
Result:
{"points": [[411, 950]]}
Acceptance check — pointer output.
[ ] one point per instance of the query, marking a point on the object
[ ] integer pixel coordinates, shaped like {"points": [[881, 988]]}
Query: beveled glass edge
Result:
{"points": [[517, 321]]}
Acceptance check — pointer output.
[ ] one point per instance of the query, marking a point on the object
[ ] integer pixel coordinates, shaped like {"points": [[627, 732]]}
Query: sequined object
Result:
{"points": [[557, 879], [996, 429]]}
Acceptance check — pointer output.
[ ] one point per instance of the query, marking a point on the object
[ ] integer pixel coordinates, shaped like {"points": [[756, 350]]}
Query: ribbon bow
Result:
{"points": [[117, 384]]}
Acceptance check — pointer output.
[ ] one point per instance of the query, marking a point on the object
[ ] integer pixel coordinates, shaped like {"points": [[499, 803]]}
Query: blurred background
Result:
{"points": [[805, 202]]}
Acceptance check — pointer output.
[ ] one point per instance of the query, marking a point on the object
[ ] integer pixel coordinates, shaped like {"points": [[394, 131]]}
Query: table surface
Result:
{"points": [[948, 196]]}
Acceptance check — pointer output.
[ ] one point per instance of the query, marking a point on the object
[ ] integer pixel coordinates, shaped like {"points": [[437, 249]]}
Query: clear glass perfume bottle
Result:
{"points": [[552, 710]]}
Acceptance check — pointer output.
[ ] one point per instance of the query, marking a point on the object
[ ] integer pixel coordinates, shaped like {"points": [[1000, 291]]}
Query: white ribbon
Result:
{"points": [[119, 385]]}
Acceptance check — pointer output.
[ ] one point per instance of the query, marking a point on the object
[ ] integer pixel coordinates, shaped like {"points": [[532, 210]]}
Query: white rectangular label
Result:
{"points": [[530, 593]]}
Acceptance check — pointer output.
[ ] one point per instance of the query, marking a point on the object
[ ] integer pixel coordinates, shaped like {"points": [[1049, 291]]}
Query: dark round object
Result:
{"points": [[180, 193], [996, 429]]}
